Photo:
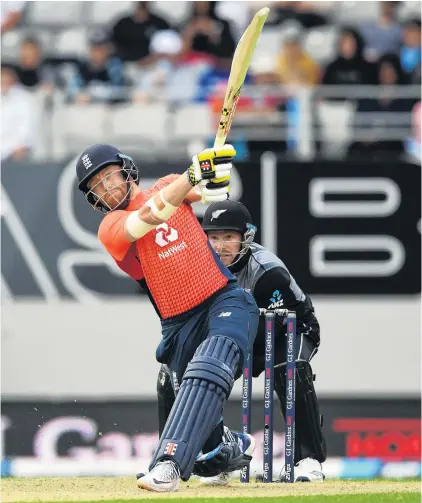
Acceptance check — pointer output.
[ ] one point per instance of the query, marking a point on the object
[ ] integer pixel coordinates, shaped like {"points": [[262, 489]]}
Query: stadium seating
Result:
{"points": [[174, 12], [75, 126], [105, 13], [46, 14], [172, 113], [10, 42], [353, 13], [139, 126], [192, 122], [72, 43], [320, 43]]}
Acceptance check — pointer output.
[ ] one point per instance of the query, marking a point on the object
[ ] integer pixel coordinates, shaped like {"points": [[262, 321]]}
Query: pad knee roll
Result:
{"points": [[216, 361]]}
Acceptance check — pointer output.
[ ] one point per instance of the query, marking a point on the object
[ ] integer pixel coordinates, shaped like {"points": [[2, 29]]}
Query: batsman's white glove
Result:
{"points": [[211, 170]]}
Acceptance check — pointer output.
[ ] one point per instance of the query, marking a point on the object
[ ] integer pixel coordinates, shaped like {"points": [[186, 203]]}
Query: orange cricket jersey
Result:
{"points": [[174, 261]]}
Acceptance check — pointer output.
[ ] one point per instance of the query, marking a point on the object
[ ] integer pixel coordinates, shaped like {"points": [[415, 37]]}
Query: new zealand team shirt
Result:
{"points": [[174, 262]]}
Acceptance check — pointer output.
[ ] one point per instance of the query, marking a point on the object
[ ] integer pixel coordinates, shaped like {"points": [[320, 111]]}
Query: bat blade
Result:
{"points": [[240, 64]]}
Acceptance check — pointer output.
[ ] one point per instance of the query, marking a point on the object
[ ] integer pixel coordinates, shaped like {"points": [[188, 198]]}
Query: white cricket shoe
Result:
{"points": [[219, 480], [307, 470], [163, 478]]}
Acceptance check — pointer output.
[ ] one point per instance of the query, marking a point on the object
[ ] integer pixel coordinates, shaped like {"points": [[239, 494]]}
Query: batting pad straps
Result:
{"points": [[166, 210]]}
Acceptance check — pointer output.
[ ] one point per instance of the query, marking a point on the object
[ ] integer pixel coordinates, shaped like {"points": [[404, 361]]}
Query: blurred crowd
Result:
{"points": [[144, 57]]}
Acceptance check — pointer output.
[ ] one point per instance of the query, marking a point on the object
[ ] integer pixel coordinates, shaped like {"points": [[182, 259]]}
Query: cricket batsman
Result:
{"points": [[231, 233], [208, 321]]}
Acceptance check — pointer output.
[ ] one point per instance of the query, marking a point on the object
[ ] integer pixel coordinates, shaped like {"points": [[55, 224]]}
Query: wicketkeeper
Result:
{"points": [[231, 233], [208, 321]]}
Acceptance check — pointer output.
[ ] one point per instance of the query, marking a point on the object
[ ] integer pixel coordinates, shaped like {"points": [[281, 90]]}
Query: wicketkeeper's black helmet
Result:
{"points": [[230, 216], [227, 216]]}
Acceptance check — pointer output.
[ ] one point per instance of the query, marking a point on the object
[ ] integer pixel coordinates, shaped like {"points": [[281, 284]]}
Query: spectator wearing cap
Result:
{"points": [[410, 52], [131, 35], [99, 79], [153, 81], [206, 33], [383, 35], [18, 113]]}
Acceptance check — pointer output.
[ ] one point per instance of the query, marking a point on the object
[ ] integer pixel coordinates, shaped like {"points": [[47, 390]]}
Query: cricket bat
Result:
{"points": [[240, 64]]}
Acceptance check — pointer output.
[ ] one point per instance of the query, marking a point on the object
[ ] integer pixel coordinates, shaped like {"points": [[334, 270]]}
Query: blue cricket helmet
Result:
{"points": [[95, 158]]}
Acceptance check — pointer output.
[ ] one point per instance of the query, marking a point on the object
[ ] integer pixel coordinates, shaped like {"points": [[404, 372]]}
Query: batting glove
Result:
{"points": [[212, 165], [212, 192]]}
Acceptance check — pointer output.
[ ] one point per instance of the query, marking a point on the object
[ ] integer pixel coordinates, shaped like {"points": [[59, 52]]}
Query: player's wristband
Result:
{"points": [[190, 173]]}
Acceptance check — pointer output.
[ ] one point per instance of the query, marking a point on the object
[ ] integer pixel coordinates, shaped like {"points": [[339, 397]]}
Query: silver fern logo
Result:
{"points": [[216, 214]]}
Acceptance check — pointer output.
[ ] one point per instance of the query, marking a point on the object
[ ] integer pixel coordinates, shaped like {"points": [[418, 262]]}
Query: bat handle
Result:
{"points": [[219, 141]]}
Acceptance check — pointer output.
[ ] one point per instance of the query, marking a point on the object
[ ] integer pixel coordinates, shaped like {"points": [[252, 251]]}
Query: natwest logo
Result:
{"points": [[386, 439], [165, 235]]}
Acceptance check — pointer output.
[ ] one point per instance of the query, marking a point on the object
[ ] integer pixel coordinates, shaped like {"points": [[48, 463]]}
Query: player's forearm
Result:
{"points": [[160, 207], [215, 162], [163, 204], [177, 191]]}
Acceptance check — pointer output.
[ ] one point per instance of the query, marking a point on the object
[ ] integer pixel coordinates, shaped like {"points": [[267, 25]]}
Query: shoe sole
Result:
{"points": [[214, 484], [303, 478], [300, 478], [141, 485]]}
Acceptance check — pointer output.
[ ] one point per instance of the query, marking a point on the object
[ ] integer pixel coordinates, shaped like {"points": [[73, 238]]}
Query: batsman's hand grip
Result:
{"points": [[207, 170], [212, 163]]}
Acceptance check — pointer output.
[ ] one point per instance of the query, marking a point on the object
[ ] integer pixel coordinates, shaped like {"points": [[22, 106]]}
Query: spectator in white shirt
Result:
{"points": [[18, 117]]}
